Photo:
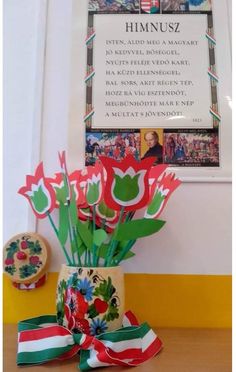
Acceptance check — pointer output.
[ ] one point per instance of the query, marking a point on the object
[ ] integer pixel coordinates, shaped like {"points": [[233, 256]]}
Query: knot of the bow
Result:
{"points": [[83, 340]]}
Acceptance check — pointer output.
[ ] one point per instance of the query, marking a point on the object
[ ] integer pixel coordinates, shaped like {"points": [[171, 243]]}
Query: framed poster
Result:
{"points": [[157, 83]]}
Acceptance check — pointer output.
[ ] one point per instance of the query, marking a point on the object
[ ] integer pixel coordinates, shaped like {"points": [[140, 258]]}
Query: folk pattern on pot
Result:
{"points": [[87, 304]]}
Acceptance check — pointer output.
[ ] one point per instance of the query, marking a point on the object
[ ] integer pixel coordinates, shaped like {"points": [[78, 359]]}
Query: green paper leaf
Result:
{"points": [[128, 255], [85, 234], [79, 247], [73, 211], [138, 228], [99, 237], [63, 224], [103, 250]]}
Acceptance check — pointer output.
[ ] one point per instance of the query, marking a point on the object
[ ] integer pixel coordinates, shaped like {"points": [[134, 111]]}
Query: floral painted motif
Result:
{"points": [[87, 304], [86, 289], [97, 327], [26, 253]]}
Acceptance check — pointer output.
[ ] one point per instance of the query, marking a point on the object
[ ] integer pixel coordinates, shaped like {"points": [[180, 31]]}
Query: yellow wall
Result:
{"points": [[161, 300]]}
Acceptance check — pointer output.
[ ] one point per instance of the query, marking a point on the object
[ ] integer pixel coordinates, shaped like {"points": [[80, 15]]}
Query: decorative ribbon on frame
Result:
{"points": [[88, 78], [214, 80], [41, 340]]}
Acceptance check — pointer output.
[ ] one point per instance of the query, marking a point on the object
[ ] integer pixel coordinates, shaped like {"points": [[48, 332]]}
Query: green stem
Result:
{"points": [[77, 247], [70, 234], [114, 242], [86, 257], [56, 232], [98, 252], [94, 247], [124, 251]]}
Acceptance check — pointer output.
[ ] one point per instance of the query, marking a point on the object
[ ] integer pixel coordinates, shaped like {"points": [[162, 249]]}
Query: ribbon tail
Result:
{"points": [[40, 345], [129, 346]]}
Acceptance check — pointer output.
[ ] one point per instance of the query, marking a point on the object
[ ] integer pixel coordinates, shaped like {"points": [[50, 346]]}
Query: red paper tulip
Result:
{"points": [[39, 192], [127, 182], [161, 194]]}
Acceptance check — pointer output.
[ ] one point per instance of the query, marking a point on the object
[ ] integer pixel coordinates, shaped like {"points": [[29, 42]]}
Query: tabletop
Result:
{"points": [[184, 350]]}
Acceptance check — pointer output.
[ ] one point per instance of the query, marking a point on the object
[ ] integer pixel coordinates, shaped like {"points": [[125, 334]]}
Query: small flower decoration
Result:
{"points": [[9, 261], [100, 306], [98, 326], [34, 260], [154, 175], [39, 192], [95, 183], [70, 319], [76, 302], [161, 194], [127, 182], [75, 179], [81, 326], [60, 189], [85, 288]]}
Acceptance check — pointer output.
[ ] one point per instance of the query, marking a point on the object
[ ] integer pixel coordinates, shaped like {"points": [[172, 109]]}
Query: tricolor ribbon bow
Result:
{"points": [[42, 339]]}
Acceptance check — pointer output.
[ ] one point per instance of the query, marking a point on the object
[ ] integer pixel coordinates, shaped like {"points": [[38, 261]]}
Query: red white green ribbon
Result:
{"points": [[215, 114], [90, 38], [210, 38], [88, 115], [42, 339]]}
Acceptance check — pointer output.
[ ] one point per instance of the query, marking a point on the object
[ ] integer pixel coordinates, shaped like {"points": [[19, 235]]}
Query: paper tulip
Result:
{"points": [[60, 189], [75, 179], [39, 192], [127, 182], [94, 178], [161, 194]]}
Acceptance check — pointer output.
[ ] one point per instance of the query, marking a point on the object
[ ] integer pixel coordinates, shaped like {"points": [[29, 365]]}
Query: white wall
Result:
{"points": [[24, 24], [197, 236]]}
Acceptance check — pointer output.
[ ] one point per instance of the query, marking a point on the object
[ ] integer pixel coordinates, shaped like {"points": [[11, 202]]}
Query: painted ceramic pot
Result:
{"points": [[90, 300]]}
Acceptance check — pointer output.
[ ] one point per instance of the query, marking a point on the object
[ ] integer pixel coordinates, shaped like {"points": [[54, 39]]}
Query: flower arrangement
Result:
{"points": [[96, 206]]}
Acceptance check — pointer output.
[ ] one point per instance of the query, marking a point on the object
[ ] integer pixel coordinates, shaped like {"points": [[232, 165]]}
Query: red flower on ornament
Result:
{"points": [[34, 260], [76, 302], [9, 261], [100, 306], [82, 325]]}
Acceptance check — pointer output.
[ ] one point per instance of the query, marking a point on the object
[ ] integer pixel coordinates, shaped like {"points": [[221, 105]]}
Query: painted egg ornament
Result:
{"points": [[26, 258]]}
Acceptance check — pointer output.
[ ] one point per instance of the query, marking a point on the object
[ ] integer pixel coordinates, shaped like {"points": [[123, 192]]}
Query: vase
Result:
{"points": [[90, 299]]}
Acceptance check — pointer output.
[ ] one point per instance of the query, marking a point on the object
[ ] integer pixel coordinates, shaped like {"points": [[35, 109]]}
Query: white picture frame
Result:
{"points": [[223, 62]]}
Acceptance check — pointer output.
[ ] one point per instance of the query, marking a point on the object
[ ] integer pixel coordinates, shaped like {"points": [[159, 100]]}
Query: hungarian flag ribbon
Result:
{"points": [[41, 339]]}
